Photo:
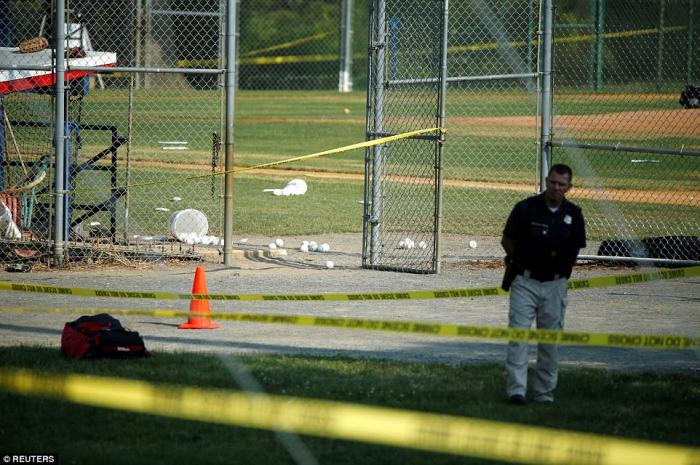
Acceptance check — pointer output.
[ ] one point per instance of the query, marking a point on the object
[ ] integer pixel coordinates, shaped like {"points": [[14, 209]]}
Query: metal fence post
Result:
{"points": [[59, 135], [231, 14], [600, 26], [592, 67], [546, 92], [138, 39], [129, 145], [440, 120], [148, 43], [379, 43], [689, 50], [530, 19], [345, 77], [660, 45]]}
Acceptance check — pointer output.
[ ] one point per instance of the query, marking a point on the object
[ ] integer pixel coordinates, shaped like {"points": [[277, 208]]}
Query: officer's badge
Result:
{"points": [[567, 219]]}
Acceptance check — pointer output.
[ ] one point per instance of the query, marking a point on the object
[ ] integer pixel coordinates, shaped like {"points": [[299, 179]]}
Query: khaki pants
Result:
{"points": [[544, 302]]}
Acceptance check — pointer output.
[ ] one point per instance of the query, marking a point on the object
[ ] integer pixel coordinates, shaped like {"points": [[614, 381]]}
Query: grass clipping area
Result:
{"points": [[662, 408]]}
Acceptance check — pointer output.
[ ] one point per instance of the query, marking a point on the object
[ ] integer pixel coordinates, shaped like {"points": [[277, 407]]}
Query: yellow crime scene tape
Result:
{"points": [[565, 39], [290, 44], [576, 284], [271, 60], [243, 57], [573, 338], [355, 422], [282, 59], [250, 58]]}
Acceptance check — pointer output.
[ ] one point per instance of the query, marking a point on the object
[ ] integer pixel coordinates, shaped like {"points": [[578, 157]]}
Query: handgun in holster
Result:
{"points": [[510, 273]]}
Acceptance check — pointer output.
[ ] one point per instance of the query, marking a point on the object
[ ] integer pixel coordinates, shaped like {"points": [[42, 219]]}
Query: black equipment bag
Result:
{"points": [[690, 97], [100, 336], [665, 247]]}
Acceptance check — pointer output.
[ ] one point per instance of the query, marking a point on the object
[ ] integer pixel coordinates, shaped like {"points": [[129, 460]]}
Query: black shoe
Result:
{"points": [[517, 399]]}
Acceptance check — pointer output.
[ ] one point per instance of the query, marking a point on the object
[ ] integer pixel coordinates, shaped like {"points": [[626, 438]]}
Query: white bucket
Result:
{"points": [[188, 224]]}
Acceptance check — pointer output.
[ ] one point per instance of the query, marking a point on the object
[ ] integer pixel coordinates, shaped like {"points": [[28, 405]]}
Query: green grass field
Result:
{"points": [[660, 408], [273, 126]]}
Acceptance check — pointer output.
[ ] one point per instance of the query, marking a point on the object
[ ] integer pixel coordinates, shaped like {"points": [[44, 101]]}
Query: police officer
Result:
{"points": [[542, 238]]}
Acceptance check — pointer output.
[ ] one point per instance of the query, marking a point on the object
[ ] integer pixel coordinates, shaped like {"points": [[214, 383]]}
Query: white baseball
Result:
{"points": [[329, 264], [279, 242], [472, 244]]}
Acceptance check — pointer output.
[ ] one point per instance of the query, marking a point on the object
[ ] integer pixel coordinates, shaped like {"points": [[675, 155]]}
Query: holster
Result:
{"points": [[509, 274]]}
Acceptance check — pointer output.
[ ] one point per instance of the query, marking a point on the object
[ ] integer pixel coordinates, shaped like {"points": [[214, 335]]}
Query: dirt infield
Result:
{"points": [[635, 124], [618, 97], [627, 125]]}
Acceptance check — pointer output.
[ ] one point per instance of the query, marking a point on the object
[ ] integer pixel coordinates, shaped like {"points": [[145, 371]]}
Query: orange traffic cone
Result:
{"points": [[199, 309]]}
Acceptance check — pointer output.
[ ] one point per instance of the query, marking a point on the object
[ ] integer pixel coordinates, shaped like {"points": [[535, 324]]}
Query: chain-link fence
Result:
{"points": [[620, 69], [143, 144]]}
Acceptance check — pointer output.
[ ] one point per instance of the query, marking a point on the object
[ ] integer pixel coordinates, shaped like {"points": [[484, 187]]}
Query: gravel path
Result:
{"points": [[668, 307]]}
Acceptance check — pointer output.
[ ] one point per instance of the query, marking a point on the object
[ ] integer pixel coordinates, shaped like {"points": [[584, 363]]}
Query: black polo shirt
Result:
{"points": [[546, 242]]}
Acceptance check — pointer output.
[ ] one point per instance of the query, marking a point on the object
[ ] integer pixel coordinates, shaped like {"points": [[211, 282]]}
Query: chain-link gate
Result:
{"points": [[492, 121], [405, 92]]}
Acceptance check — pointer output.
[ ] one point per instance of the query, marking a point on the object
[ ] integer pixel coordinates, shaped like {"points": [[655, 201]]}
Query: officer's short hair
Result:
{"points": [[561, 168]]}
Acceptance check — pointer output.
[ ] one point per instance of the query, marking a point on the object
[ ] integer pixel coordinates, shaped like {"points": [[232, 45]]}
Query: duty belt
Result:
{"points": [[540, 276]]}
